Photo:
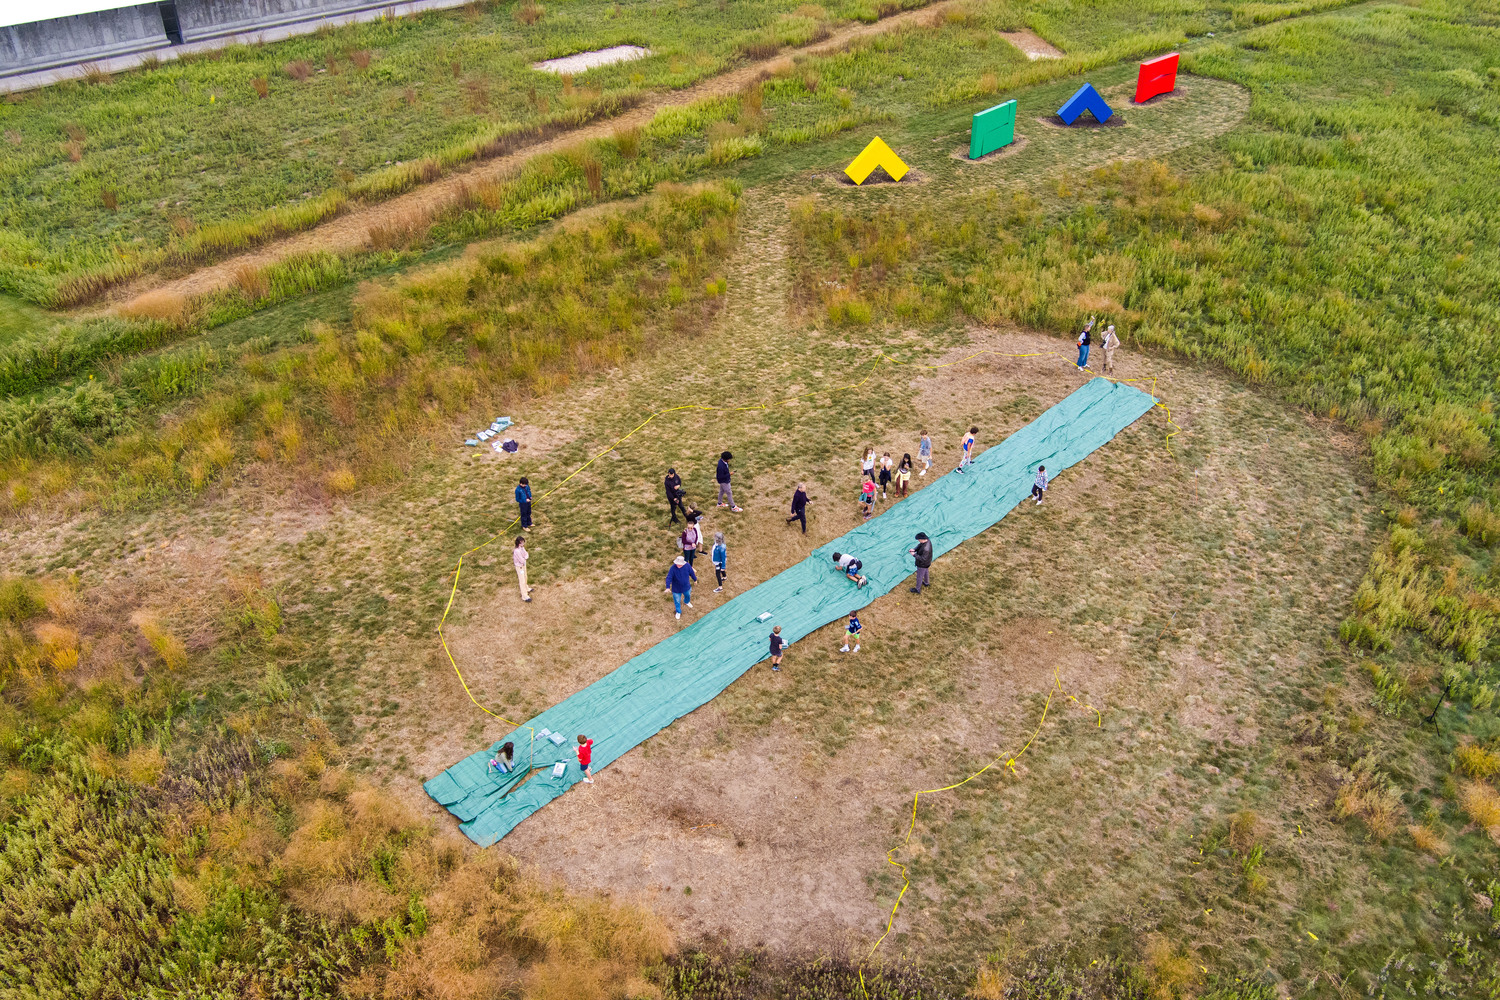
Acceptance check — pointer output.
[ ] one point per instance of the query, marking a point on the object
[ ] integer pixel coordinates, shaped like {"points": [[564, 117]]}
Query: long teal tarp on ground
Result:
{"points": [[691, 667]]}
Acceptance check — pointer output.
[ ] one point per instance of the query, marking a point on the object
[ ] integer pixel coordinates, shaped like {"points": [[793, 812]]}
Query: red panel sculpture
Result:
{"points": [[1157, 76]]}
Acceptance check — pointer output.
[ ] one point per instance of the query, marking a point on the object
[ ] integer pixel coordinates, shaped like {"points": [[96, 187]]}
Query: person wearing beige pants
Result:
{"points": [[519, 557], [1111, 344]]}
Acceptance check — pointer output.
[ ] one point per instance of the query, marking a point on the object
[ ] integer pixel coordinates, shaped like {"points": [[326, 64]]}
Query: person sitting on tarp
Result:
{"points": [[851, 567], [505, 759]]}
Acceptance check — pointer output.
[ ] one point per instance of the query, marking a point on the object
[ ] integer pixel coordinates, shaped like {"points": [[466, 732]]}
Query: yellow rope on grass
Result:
{"points": [[1010, 762]]}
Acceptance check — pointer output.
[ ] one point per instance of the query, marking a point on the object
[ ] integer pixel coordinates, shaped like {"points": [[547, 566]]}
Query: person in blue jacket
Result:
{"points": [[523, 500], [680, 580]]}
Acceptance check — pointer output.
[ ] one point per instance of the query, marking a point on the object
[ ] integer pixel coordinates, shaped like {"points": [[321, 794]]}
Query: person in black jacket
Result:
{"points": [[675, 494], [923, 555], [799, 507], [726, 493]]}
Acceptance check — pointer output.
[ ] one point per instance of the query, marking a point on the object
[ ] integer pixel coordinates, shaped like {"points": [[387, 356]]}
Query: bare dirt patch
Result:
{"points": [[581, 62], [1031, 46], [961, 153]]}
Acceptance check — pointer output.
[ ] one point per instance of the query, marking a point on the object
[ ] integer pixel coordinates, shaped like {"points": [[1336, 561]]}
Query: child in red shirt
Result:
{"points": [[586, 757]]}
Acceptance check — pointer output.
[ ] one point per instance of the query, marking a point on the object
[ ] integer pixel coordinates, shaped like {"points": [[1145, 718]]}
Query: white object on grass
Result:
{"points": [[578, 62]]}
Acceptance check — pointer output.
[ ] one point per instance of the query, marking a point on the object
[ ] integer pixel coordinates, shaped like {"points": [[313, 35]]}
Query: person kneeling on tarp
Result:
{"points": [[505, 759], [851, 567]]}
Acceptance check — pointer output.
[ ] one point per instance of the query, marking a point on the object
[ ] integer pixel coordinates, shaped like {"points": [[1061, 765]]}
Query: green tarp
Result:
{"points": [[691, 667]]}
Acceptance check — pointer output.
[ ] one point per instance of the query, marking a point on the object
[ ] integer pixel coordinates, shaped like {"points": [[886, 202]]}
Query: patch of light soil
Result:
{"points": [[1031, 46], [581, 61]]}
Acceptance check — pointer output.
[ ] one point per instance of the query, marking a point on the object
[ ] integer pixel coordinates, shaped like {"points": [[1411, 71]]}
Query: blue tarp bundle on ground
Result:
{"points": [[691, 667]]}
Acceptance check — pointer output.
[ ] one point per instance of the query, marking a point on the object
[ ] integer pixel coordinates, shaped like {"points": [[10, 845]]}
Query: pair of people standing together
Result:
{"points": [[1111, 344]]}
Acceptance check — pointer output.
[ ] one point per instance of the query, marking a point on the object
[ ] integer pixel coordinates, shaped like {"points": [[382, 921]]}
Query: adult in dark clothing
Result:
{"points": [[721, 475], [523, 500], [923, 555], [799, 507], [675, 493]]}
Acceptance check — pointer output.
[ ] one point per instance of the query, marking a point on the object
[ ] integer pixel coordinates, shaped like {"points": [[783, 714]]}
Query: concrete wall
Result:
{"points": [[214, 18], [80, 38]]}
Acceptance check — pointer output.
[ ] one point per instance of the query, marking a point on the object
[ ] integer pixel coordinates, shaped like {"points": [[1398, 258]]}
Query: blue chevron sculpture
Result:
{"points": [[1086, 99]]}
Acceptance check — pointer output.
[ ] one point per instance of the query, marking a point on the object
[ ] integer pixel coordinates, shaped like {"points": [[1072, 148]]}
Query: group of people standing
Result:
{"points": [[1086, 338]]}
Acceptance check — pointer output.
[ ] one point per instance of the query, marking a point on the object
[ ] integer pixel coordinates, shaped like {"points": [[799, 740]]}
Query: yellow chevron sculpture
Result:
{"points": [[876, 154]]}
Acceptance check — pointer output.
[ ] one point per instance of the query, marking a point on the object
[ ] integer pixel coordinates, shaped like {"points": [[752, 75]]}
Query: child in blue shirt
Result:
{"points": [[720, 557], [852, 632]]}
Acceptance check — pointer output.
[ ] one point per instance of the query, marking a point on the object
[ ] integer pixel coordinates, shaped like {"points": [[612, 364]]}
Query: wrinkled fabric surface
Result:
{"points": [[691, 667]]}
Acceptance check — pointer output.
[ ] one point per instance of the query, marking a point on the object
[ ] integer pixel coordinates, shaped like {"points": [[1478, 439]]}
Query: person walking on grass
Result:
{"points": [[726, 492], [720, 557], [924, 453], [903, 473], [968, 456], [523, 500], [1039, 487], [922, 553], [851, 633], [675, 493], [799, 506], [680, 580], [691, 538], [1084, 339], [850, 567], [1111, 345], [867, 464], [519, 556], [586, 758], [777, 643], [867, 498], [885, 476]]}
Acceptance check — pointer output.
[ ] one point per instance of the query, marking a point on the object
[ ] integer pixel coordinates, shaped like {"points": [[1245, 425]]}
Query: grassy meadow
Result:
{"points": [[231, 521]]}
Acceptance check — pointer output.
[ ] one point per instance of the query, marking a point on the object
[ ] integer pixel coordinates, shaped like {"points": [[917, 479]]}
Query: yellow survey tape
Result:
{"points": [[874, 367], [1010, 762]]}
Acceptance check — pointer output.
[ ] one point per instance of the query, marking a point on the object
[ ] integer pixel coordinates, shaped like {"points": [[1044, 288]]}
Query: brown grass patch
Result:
{"points": [[261, 86], [299, 70], [1476, 761], [162, 306], [1428, 841], [1366, 797], [1481, 803]]}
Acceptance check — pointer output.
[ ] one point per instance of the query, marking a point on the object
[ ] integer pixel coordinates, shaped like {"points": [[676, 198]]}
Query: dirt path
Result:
{"points": [[351, 230]]}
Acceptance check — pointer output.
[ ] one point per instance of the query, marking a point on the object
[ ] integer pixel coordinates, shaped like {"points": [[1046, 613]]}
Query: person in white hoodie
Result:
{"points": [[1111, 344]]}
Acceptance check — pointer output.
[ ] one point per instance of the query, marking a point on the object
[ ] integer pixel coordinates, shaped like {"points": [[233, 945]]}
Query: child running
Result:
{"points": [[586, 758], [885, 476], [851, 567], [776, 644], [867, 497], [720, 557], [924, 452], [851, 632], [968, 458], [903, 473], [1040, 486]]}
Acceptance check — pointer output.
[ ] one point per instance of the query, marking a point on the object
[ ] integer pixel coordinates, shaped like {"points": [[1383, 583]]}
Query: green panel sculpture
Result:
{"points": [[993, 128]]}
